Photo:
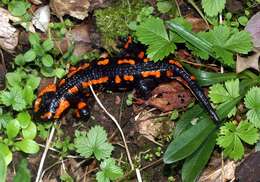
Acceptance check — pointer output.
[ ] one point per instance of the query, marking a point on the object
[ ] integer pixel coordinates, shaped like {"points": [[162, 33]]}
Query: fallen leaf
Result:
{"points": [[169, 96], [244, 63], [8, 33], [36, 2], [41, 18], [253, 26], [75, 8], [249, 169], [198, 24]]}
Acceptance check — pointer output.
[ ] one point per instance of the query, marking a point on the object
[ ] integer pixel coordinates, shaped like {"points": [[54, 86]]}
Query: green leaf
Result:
{"points": [[13, 128], [94, 142], [24, 119], [164, 6], [29, 56], [23, 173], [33, 81], [252, 102], [18, 8], [186, 143], [14, 78], [34, 39], [13, 98], [28, 94], [47, 60], [6, 153], [3, 168], [30, 132], [194, 164], [19, 60], [230, 137], [28, 146], [109, 171], [152, 32], [213, 7], [59, 72], [48, 45]]}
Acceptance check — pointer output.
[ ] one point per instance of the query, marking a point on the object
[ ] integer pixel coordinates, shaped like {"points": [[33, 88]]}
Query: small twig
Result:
{"points": [[49, 140], [118, 126], [178, 7]]}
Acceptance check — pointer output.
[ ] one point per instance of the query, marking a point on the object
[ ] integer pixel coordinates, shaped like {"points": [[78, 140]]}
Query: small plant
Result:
{"points": [[231, 137], [94, 142]]}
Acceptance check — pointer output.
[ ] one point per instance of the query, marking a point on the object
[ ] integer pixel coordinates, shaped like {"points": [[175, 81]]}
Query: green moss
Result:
{"points": [[113, 21]]}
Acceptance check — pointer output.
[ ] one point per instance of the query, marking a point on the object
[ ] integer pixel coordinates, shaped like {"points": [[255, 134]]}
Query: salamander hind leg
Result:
{"points": [[144, 87]]}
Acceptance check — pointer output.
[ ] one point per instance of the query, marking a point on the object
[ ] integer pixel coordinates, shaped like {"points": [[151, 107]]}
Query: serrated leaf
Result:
{"points": [[152, 32], [247, 132], [213, 7], [109, 171], [33, 81], [13, 98], [14, 78], [23, 173], [28, 146], [94, 142], [252, 102], [218, 94], [164, 6]]}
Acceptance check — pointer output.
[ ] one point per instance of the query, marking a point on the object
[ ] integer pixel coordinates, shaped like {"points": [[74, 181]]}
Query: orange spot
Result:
{"points": [[37, 104], [47, 115], [117, 79], [64, 104], [103, 62], [62, 82], [94, 82], [48, 88], [128, 77], [75, 70], [126, 61], [146, 60], [141, 55], [193, 77], [175, 63], [81, 105], [169, 73], [156, 74], [129, 41], [73, 90], [72, 68]]}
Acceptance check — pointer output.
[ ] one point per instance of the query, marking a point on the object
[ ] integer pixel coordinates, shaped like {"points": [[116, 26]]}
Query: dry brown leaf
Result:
{"points": [[244, 63], [198, 24], [8, 33], [75, 8], [41, 18], [253, 26]]}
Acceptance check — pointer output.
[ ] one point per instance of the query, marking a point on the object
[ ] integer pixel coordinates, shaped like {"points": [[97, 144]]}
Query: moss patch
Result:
{"points": [[113, 21]]}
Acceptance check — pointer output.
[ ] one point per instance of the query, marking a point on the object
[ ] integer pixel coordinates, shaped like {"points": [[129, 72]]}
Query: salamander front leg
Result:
{"points": [[144, 87], [82, 110]]}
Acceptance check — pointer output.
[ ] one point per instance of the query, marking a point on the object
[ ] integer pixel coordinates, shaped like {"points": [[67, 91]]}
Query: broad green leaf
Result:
{"points": [[33, 81], [28, 95], [3, 168], [59, 72], [19, 60], [30, 132], [29, 55], [13, 128], [14, 78], [94, 142], [13, 98], [47, 60], [252, 102], [24, 119], [152, 32], [23, 173], [164, 6], [213, 7], [34, 39], [186, 143], [195, 163], [109, 171], [48, 45], [28, 146], [6, 153], [18, 8]]}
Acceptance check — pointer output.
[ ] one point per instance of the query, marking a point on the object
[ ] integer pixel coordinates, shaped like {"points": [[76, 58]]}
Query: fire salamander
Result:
{"points": [[127, 70]]}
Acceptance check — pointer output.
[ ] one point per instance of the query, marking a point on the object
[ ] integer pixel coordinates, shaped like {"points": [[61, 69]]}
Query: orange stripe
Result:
{"points": [[64, 104], [62, 82], [81, 105], [103, 62], [94, 82], [47, 115], [128, 77], [73, 90], [126, 61], [175, 63], [129, 41], [118, 79], [146, 60], [37, 104], [48, 88], [157, 74]]}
